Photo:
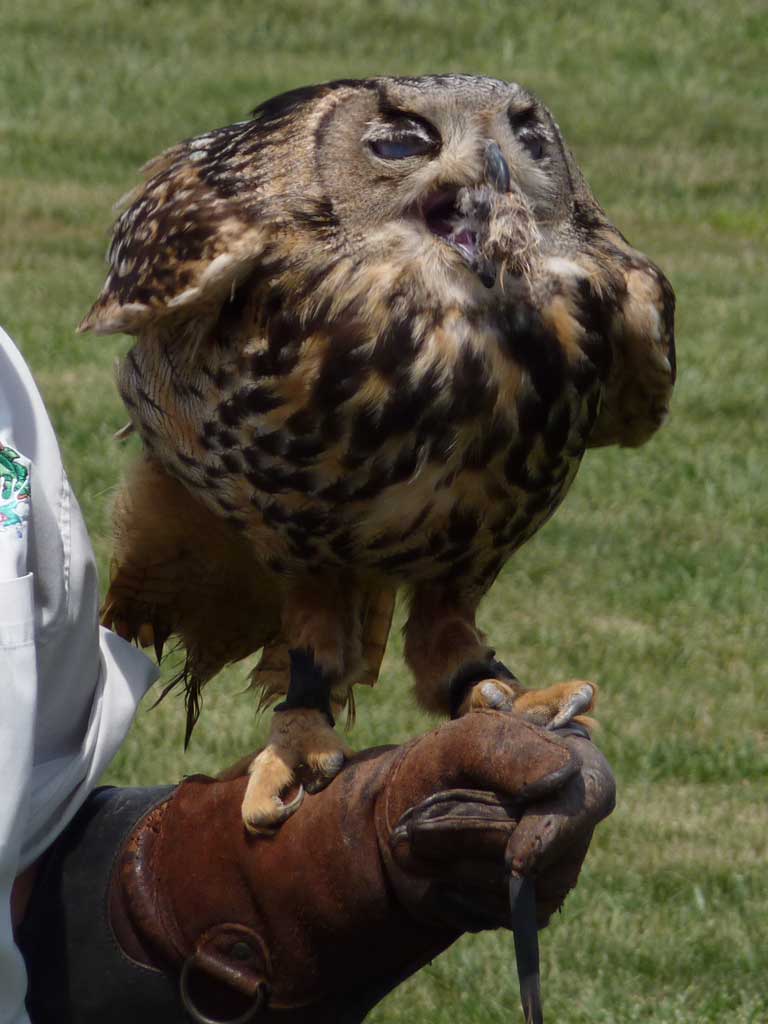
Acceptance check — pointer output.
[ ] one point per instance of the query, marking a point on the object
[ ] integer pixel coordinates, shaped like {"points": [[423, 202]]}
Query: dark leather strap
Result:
{"points": [[522, 903]]}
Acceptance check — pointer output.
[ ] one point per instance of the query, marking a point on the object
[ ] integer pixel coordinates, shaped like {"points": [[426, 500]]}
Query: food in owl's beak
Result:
{"points": [[444, 216], [444, 219]]}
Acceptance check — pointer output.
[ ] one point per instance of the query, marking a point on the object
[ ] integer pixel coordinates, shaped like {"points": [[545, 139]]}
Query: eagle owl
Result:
{"points": [[377, 325]]}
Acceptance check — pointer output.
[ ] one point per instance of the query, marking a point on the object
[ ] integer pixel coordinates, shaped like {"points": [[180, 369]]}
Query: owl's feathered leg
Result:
{"points": [[323, 624], [455, 670], [440, 637]]}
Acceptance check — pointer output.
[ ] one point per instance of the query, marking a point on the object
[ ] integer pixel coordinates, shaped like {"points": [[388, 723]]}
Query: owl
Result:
{"points": [[376, 325]]}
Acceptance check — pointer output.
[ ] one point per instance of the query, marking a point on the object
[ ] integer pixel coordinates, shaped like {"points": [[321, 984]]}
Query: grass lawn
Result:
{"points": [[651, 579]]}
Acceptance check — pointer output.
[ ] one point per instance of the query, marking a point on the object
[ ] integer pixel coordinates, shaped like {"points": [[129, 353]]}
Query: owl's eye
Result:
{"points": [[400, 135], [533, 144], [528, 131], [401, 146]]}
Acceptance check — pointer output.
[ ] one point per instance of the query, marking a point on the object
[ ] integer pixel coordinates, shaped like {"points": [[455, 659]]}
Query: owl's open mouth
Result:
{"points": [[445, 220]]}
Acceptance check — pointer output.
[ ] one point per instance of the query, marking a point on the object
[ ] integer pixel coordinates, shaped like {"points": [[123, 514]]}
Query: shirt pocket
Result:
{"points": [[17, 612]]}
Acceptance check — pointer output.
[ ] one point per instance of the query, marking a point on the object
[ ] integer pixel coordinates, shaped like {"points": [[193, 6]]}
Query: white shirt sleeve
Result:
{"points": [[68, 689]]}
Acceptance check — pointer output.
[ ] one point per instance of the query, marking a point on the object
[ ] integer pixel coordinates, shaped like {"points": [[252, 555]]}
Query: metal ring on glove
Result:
{"points": [[202, 1018]]}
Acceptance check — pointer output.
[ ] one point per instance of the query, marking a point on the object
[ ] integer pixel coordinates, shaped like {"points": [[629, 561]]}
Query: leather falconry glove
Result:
{"points": [[157, 906]]}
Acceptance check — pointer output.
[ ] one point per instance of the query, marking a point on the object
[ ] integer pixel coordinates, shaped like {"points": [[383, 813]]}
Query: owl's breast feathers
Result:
{"points": [[429, 447]]}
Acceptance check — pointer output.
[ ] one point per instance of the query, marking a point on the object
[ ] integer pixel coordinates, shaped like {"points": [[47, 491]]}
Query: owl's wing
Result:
{"points": [[637, 393], [640, 326], [184, 242], [641, 329], [642, 374]]}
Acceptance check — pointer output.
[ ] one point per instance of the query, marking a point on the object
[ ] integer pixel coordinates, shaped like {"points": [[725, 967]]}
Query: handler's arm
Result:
{"points": [[68, 691]]}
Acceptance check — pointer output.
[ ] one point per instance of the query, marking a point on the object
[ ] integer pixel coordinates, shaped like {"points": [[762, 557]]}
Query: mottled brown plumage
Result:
{"points": [[378, 324]]}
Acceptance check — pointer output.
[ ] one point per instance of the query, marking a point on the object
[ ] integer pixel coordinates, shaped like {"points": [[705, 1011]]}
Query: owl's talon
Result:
{"points": [[550, 708], [270, 819], [321, 770], [555, 706], [580, 701], [302, 748], [492, 695]]}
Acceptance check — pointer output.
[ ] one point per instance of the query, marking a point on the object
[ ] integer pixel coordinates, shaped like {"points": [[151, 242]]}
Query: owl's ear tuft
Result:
{"points": [[180, 248]]}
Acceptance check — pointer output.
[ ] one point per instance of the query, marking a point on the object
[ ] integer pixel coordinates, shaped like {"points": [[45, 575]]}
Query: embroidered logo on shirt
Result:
{"points": [[14, 491]]}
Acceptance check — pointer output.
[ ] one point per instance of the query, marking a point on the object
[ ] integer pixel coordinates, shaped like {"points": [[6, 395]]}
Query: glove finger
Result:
{"points": [[556, 881], [485, 750], [551, 830], [459, 823]]}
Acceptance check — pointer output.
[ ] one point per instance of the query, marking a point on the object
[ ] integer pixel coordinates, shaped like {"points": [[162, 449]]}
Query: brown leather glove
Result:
{"points": [[373, 877]]}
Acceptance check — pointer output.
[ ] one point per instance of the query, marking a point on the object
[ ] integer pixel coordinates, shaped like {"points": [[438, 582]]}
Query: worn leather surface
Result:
{"points": [[368, 881]]}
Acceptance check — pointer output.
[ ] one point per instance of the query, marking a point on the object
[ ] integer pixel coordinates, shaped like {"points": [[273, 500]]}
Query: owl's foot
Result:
{"points": [[551, 707], [557, 705], [303, 748]]}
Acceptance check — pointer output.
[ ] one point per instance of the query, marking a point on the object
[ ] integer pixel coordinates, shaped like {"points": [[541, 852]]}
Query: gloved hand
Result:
{"points": [[375, 875]]}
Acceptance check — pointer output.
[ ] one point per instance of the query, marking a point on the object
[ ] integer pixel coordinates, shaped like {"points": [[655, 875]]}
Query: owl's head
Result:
{"points": [[453, 177], [442, 168]]}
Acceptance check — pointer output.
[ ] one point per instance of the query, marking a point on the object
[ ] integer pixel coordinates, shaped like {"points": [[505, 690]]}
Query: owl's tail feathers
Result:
{"points": [[180, 572], [377, 609]]}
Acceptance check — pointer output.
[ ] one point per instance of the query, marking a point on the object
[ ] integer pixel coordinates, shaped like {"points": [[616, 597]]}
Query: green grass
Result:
{"points": [[652, 577]]}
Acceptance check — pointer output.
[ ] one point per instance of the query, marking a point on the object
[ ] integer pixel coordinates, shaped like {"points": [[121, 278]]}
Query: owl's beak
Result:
{"points": [[447, 220], [496, 167]]}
